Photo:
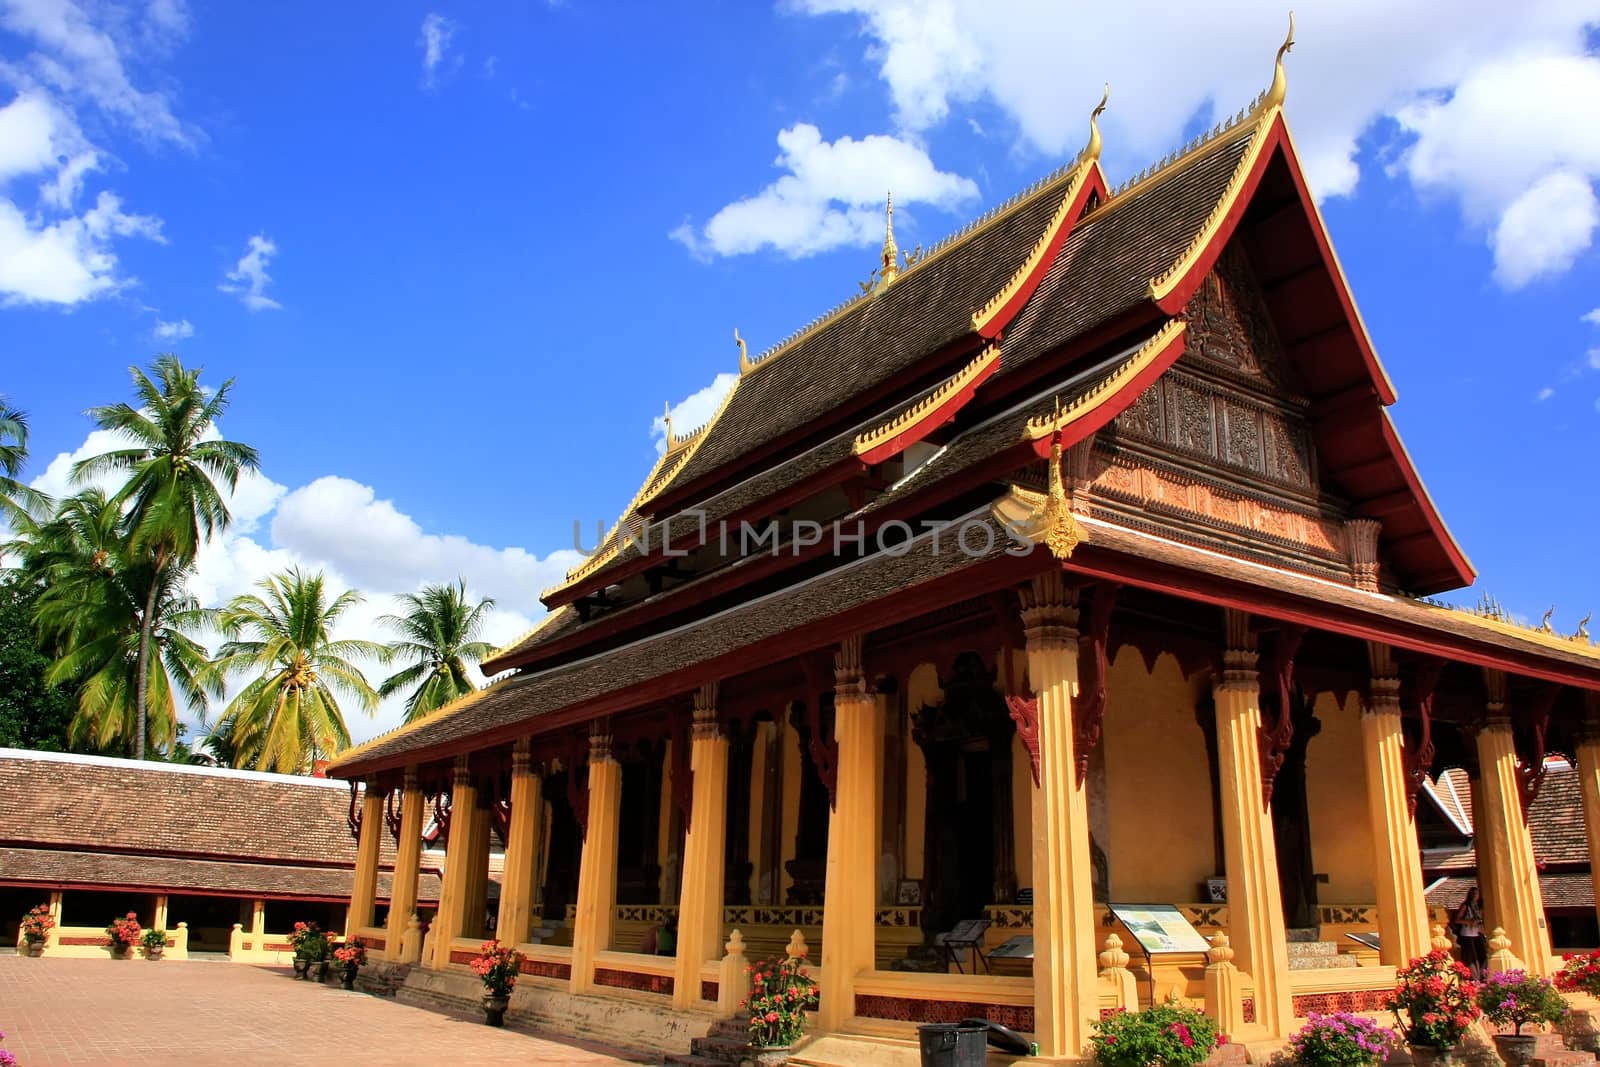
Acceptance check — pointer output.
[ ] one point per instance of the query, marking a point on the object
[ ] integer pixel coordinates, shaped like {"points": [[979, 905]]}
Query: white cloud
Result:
{"points": [[1491, 98], [1593, 317], [694, 411], [1546, 393], [249, 278], [832, 195], [69, 260], [173, 331], [1543, 231], [438, 63]]}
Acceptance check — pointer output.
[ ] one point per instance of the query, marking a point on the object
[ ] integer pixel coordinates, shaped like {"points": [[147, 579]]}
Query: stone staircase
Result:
{"points": [[1551, 1051], [382, 978], [1318, 956], [727, 1043]]}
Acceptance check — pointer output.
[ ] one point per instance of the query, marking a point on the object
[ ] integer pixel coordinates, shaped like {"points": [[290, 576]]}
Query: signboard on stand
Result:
{"points": [[1160, 929]]}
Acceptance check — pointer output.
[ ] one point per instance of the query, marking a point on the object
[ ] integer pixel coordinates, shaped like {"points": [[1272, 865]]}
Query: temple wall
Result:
{"points": [[1158, 788], [1336, 795]]}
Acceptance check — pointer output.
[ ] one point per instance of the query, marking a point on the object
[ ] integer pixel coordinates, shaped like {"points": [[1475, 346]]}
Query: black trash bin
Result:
{"points": [[953, 1045]]}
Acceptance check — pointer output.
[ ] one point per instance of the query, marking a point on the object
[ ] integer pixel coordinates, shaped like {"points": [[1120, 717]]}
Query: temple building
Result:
{"points": [[1074, 563], [225, 861]]}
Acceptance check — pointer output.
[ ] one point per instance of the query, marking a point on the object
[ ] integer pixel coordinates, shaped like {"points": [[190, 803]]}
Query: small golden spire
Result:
{"points": [[1091, 151], [744, 355], [666, 417], [891, 254], [1279, 89]]}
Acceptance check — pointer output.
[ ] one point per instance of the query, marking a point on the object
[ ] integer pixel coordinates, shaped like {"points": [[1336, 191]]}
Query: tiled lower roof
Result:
{"points": [[1569, 889], [101, 870]]}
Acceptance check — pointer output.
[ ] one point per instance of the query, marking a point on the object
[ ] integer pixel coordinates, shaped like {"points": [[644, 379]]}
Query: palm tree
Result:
{"points": [[439, 637], [19, 502], [90, 614], [172, 499], [287, 716]]}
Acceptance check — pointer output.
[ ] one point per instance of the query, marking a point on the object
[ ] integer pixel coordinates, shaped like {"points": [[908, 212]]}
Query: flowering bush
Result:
{"points": [[124, 932], [6, 1058], [1517, 998], [1169, 1034], [352, 954], [37, 924], [1580, 973], [780, 993], [154, 939], [1342, 1040], [309, 941], [1435, 1001], [498, 965]]}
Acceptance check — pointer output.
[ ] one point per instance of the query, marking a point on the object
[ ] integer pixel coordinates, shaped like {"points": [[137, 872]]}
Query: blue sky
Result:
{"points": [[490, 241]]}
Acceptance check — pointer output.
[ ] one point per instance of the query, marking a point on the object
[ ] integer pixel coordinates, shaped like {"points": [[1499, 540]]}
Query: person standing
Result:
{"points": [[1467, 920]]}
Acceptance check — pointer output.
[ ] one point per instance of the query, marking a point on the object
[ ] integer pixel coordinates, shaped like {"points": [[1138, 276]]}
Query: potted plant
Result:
{"points": [[780, 993], [1170, 1034], [1580, 973], [123, 934], [351, 958], [1342, 1040], [310, 946], [1517, 999], [1435, 1002], [498, 965], [155, 943], [36, 927]]}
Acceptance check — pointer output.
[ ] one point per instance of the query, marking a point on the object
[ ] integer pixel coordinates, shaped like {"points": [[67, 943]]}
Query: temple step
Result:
{"points": [[728, 1042], [1304, 949], [1318, 956], [1303, 933]]}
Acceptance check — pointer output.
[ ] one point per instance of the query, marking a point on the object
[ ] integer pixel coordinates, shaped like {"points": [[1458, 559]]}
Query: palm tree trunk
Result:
{"points": [[146, 627]]}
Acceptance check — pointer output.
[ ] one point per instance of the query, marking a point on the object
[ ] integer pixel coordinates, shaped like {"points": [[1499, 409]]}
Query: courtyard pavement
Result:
{"points": [[56, 1011]]}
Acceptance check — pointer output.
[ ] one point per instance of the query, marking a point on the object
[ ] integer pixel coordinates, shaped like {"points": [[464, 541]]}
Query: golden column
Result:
{"points": [[457, 866], [597, 869], [407, 864], [700, 896], [1589, 783], [1518, 904], [1255, 903], [1065, 995], [364, 891], [1402, 900], [522, 849], [849, 902]]}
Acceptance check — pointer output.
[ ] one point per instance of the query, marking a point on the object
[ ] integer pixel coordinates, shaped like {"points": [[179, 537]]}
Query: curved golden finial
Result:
{"points": [[1091, 151], [1279, 88], [891, 254], [744, 354], [666, 417]]}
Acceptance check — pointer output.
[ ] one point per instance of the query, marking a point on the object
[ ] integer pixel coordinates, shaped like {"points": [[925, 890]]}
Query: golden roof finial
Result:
{"points": [[891, 254], [1062, 534], [666, 417], [1279, 89], [744, 354], [1091, 151]]}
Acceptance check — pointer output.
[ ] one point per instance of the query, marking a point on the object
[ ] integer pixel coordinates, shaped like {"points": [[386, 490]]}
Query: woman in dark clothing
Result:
{"points": [[1468, 922]]}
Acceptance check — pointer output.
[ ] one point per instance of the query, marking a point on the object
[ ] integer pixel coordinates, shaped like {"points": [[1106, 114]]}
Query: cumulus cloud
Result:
{"points": [[69, 260], [249, 279], [832, 195], [172, 331], [1542, 232], [1489, 99], [694, 411], [1593, 317], [359, 541], [435, 37]]}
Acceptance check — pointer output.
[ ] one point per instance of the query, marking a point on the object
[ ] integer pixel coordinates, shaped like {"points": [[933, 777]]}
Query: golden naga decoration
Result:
{"points": [[744, 354], [1062, 534], [891, 255], [1091, 151], [1544, 623], [666, 417], [1279, 89], [1582, 633]]}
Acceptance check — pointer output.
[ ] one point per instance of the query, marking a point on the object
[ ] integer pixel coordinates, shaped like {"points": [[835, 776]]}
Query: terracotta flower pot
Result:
{"points": [[494, 1009], [33, 948], [1516, 1049], [301, 967], [154, 952], [1428, 1056]]}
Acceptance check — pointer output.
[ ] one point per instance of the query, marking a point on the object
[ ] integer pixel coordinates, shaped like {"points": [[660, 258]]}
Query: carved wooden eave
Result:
{"points": [[916, 422]]}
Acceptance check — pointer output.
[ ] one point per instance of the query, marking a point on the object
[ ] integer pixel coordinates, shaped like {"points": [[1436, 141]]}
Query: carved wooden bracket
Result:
{"points": [[1419, 759], [824, 750], [1530, 772], [354, 817], [442, 803], [392, 814], [500, 814], [1025, 713], [1276, 736], [1089, 706]]}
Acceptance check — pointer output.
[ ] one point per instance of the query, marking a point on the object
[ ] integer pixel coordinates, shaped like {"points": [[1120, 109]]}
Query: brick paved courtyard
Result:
{"points": [[103, 1012]]}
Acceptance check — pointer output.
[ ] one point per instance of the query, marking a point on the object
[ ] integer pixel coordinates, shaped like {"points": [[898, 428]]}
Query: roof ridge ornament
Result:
{"points": [[666, 417], [744, 353], [1279, 89], [1091, 151], [891, 254]]}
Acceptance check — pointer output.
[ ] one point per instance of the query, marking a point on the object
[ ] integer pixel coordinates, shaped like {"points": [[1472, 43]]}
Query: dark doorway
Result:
{"points": [[808, 869], [565, 852], [1291, 815], [638, 872]]}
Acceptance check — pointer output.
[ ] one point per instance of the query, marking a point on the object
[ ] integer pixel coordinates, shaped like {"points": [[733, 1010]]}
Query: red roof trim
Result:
{"points": [[1094, 182]]}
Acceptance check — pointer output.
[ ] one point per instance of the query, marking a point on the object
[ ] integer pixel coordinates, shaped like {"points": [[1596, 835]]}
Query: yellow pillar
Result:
{"points": [[522, 848], [258, 921], [1402, 900], [453, 897], [1065, 995], [849, 901], [1589, 785], [1255, 903], [364, 892], [700, 902], [597, 869], [407, 864], [1518, 901], [158, 921]]}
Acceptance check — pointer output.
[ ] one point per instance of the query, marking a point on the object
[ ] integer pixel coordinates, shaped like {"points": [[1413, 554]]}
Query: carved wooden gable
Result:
{"points": [[1219, 450]]}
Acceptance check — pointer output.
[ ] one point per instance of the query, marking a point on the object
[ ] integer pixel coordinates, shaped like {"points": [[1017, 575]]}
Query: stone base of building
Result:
{"points": [[610, 1020]]}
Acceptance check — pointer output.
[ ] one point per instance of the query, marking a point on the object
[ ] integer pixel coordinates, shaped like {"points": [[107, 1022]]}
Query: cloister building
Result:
{"points": [[1076, 562]]}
